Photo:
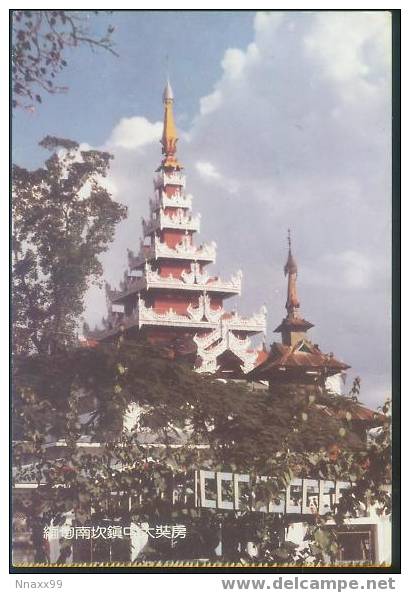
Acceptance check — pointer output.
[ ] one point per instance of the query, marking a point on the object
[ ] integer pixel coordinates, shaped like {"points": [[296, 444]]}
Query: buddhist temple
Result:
{"points": [[167, 293]]}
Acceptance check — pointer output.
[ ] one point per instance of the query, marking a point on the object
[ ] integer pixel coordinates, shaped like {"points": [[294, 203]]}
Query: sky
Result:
{"points": [[285, 122]]}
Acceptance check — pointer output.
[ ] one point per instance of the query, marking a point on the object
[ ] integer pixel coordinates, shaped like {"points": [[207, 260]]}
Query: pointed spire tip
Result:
{"points": [[168, 94]]}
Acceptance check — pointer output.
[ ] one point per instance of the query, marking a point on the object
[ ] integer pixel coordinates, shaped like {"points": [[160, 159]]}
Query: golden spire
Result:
{"points": [[291, 270], [169, 135]]}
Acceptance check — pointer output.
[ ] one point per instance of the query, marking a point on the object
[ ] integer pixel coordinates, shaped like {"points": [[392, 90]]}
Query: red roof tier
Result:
{"points": [[303, 356]]}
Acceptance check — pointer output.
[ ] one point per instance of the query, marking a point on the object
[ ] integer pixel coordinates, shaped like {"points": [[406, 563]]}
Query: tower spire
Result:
{"points": [[293, 328], [169, 134], [291, 271]]}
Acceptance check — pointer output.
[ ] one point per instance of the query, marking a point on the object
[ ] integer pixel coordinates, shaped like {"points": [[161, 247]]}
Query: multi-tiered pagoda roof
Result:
{"points": [[167, 292]]}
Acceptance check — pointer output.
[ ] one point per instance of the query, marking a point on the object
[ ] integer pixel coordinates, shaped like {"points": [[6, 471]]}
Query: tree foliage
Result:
{"points": [[40, 41], [238, 430], [63, 220]]}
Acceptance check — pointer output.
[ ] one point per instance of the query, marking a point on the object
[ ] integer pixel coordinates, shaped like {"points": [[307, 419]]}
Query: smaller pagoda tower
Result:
{"points": [[297, 363], [293, 327], [167, 294], [296, 360]]}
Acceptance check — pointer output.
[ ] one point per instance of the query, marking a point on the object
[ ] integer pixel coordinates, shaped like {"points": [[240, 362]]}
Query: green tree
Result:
{"points": [[260, 433], [63, 220]]}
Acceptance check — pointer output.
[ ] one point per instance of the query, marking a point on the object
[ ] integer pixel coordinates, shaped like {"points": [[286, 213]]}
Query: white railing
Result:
{"points": [[193, 280], [149, 315], [233, 285], [184, 250], [152, 279], [162, 200], [163, 179], [255, 323], [219, 336], [180, 220], [144, 315]]}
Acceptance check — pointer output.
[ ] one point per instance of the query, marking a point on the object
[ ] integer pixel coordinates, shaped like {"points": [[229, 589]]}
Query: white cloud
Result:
{"points": [[134, 132], [345, 271], [207, 170], [210, 102], [296, 132], [233, 62], [209, 173], [351, 47], [267, 21], [356, 269]]}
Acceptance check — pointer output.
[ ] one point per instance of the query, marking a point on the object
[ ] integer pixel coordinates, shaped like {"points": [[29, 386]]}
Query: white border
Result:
{"points": [[188, 582]]}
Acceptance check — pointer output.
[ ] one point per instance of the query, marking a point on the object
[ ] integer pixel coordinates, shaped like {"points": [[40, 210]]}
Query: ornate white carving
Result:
{"points": [[249, 361], [204, 310], [179, 220], [212, 345], [237, 344], [183, 246], [195, 275], [200, 277], [195, 279], [148, 315], [257, 320], [163, 179], [189, 277], [206, 251], [184, 250], [206, 340], [196, 313], [234, 284], [152, 279], [213, 315], [220, 336], [177, 200]]}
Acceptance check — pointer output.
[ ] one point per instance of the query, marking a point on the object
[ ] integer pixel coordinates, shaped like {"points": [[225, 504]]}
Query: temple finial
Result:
{"points": [[290, 266], [291, 270], [293, 327], [169, 134], [168, 94]]}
